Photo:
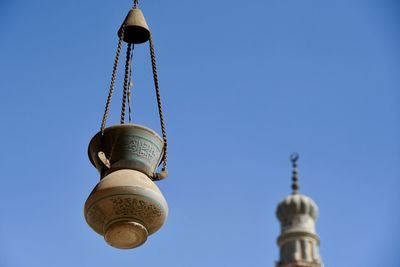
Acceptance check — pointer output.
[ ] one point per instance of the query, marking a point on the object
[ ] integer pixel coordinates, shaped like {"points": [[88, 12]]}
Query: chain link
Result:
{"points": [[159, 103], [112, 85], [126, 82], [130, 88]]}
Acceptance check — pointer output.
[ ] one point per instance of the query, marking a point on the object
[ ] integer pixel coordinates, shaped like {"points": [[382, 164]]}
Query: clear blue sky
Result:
{"points": [[244, 83]]}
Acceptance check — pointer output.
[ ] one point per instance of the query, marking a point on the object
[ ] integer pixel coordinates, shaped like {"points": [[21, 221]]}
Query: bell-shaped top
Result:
{"points": [[296, 204], [135, 29]]}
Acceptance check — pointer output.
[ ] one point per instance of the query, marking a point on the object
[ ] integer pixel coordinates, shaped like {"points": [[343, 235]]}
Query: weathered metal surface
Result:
{"points": [[136, 28], [127, 146], [125, 207]]}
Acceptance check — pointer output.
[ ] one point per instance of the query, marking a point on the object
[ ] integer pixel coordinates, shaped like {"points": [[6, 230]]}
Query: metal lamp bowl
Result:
{"points": [[126, 207], [126, 146]]}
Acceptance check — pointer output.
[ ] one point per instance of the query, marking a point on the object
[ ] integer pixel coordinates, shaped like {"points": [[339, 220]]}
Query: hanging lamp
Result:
{"points": [[126, 206]]}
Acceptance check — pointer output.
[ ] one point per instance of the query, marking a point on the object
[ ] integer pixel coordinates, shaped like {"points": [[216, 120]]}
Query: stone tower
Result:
{"points": [[298, 241]]}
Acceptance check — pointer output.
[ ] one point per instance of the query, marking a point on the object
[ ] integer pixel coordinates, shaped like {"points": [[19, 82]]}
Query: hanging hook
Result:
{"points": [[135, 3]]}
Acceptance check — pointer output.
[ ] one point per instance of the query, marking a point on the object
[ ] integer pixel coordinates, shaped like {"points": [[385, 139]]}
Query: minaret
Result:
{"points": [[298, 241]]}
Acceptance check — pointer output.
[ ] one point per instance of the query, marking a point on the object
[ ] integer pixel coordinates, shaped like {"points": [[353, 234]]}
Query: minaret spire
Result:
{"points": [[295, 178], [298, 241]]}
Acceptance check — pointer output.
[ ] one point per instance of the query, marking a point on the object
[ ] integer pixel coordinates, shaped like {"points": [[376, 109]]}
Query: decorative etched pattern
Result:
{"points": [[142, 149], [135, 207]]}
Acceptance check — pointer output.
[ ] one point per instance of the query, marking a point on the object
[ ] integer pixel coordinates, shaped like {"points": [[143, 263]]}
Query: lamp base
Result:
{"points": [[125, 235]]}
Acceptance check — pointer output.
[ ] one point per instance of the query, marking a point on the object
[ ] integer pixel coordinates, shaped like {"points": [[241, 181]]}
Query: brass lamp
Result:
{"points": [[126, 206]]}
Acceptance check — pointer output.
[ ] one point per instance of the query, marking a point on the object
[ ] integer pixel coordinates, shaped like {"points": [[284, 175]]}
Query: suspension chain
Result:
{"points": [[112, 85], [135, 3], [130, 88], [159, 103], [126, 82]]}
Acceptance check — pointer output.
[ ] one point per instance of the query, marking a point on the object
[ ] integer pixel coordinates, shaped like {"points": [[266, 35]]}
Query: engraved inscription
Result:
{"points": [[142, 148], [135, 207]]}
